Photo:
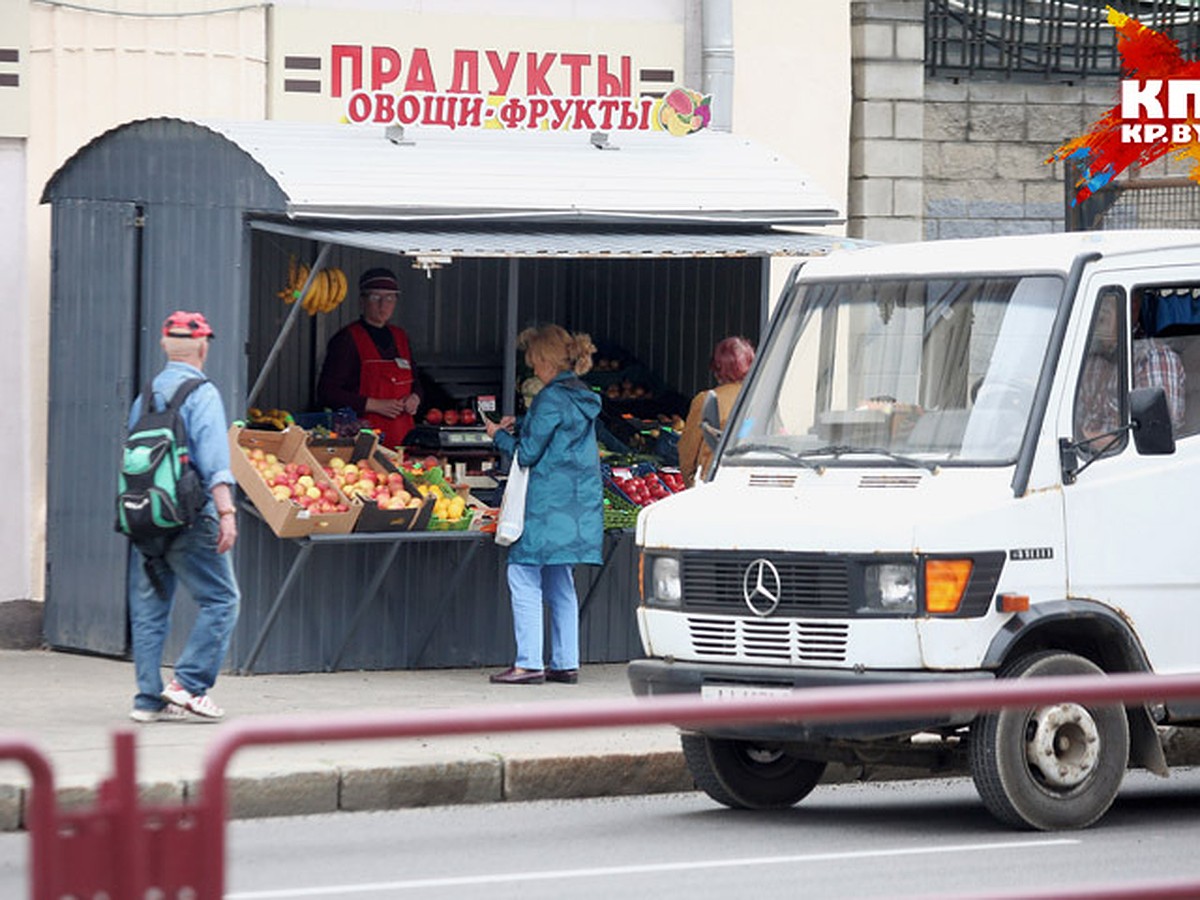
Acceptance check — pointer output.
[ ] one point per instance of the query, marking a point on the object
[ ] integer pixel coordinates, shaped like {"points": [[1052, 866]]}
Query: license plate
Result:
{"points": [[739, 691]]}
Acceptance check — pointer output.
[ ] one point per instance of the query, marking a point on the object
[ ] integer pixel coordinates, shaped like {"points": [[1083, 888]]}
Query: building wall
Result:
{"points": [[87, 70], [87, 73], [19, 469], [886, 130], [949, 158], [985, 150]]}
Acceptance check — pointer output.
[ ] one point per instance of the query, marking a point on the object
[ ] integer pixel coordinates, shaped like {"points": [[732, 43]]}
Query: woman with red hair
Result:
{"points": [[731, 360]]}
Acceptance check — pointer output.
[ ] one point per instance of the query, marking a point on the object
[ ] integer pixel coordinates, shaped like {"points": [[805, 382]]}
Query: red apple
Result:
{"points": [[467, 416], [433, 416], [450, 417]]}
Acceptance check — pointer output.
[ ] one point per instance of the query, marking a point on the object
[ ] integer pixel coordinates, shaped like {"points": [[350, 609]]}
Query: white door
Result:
{"points": [[1133, 521]]}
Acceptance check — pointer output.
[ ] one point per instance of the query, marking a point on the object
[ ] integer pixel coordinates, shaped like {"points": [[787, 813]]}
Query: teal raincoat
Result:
{"points": [[564, 502]]}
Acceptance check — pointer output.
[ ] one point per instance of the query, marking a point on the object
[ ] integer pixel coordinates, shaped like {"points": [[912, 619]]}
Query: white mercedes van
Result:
{"points": [[952, 460]]}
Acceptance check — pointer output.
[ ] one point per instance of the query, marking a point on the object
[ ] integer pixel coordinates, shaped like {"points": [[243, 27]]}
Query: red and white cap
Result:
{"points": [[181, 324], [378, 280]]}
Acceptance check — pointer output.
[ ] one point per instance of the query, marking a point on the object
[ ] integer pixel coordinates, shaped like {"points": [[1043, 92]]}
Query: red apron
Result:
{"points": [[387, 379]]}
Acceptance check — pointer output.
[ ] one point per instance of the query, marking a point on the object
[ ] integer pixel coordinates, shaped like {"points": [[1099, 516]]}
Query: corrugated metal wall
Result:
{"points": [[668, 313], [415, 621], [92, 329], [113, 285]]}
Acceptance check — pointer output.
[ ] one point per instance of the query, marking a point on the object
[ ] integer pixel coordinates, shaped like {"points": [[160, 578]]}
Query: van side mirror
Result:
{"points": [[1150, 422], [1152, 434], [710, 420]]}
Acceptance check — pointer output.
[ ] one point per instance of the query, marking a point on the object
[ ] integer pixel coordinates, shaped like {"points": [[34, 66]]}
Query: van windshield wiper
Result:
{"points": [[786, 453], [840, 450]]}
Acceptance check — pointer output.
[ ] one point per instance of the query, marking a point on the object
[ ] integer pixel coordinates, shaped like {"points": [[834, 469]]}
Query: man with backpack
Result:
{"points": [[175, 539]]}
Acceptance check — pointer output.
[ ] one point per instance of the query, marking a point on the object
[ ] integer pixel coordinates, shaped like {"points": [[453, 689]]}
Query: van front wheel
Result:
{"points": [[747, 774], [1051, 767]]}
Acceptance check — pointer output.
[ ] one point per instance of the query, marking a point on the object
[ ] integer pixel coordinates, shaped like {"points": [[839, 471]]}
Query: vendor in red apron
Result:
{"points": [[368, 365]]}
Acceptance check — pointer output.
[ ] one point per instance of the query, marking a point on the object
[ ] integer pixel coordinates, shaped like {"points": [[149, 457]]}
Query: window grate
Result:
{"points": [[1039, 39]]}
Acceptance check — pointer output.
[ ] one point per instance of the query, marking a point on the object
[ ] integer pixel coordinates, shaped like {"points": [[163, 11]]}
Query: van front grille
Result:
{"points": [[777, 641], [812, 584]]}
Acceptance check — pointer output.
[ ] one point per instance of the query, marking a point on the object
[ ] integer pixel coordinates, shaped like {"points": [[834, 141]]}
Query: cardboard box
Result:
{"points": [[285, 518], [371, 517]]}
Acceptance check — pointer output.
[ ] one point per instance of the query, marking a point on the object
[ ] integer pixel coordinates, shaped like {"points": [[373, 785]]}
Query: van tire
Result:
{"points": [[747, 774], [1082, 782]]}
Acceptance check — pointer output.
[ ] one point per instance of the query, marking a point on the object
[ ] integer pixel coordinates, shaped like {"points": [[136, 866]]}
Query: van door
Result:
{"points": [[1132, 535]]}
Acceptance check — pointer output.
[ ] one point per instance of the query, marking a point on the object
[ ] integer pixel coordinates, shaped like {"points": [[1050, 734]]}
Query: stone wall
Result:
{"points": [[887, 40], [985, 149], [938, 158]]}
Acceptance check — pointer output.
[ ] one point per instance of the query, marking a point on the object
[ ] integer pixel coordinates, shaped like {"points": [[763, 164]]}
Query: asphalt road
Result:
{"points": [[894, 840]]}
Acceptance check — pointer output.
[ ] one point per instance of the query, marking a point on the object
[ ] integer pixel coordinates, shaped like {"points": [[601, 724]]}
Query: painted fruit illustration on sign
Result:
{"points": [[683, 111]]}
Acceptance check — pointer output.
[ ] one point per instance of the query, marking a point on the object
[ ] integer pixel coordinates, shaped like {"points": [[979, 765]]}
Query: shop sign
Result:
{"points": [[1158, 112], [680, 112], [481, 72]]}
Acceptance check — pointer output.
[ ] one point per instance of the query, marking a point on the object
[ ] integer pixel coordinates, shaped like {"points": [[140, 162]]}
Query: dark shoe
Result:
{"points": [[563, 676], [513, 675]]}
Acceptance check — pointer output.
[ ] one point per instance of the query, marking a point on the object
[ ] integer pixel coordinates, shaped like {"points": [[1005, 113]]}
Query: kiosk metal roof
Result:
{"points": [[423, 242], [357, 172]]}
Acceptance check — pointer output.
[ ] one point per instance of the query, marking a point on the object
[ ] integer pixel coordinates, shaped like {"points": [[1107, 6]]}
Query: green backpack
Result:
{"points": [[159, 492]]}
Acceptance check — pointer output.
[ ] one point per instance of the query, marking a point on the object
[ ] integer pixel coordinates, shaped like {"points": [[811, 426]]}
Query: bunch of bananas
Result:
{"points": [[327, 290], [278, 419]]}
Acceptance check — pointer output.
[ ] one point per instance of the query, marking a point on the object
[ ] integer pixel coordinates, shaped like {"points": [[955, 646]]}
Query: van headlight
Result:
{"points": [[890, 588], [663, 586]]}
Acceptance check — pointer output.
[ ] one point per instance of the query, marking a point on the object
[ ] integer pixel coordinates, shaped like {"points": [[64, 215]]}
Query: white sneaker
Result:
{"points": [[168, 713], [176, 694]]}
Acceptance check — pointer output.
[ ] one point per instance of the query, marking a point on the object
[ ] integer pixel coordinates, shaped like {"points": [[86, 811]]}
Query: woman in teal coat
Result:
{"points": [[564, 504]]}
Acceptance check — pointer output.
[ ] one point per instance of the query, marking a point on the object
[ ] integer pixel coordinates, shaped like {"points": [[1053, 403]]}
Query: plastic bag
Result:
{"points": [[511, 522]]}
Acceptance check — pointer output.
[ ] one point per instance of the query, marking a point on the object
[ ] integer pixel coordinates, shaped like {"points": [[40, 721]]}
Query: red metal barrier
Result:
{"points": [[188, 842], [39, 810]]}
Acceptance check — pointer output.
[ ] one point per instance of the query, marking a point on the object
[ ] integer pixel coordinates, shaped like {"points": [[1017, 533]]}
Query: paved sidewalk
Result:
{"points": [[70, 705]]}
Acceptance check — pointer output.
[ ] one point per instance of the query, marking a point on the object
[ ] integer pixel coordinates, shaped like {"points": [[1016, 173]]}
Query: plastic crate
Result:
{"points": [[619, 511], [463, 524]]}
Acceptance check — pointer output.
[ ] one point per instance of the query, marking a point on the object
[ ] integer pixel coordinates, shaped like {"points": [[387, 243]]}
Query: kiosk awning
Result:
{"points": [[417, 242], [357, 173]]}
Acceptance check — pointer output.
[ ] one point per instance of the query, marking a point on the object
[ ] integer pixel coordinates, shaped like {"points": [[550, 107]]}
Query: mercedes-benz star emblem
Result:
{"points": [[761, 587]]}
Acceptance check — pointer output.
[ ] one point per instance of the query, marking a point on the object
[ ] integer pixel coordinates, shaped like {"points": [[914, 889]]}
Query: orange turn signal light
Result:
{"points": [[945, 583], [1012, 603]]}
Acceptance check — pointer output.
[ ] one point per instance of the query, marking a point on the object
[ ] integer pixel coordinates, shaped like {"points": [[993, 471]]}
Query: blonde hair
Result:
{"points": [[552, 345]]}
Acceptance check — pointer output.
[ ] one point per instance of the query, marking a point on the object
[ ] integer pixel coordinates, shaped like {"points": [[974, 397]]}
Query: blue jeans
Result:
{"points": [[529, 587], [192, 561]]}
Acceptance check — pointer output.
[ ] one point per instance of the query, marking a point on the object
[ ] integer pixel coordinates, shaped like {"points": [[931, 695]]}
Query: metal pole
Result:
{"points": [[288, 325], [508, 402], [716, 54], [40, 819]]}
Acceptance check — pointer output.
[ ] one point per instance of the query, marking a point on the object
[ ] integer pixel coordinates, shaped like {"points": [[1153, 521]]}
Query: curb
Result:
{"points": [[350, 788], [327, 789]]}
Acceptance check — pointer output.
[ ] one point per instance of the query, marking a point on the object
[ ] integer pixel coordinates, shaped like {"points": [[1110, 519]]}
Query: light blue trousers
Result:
{"points": [[530, 587]]}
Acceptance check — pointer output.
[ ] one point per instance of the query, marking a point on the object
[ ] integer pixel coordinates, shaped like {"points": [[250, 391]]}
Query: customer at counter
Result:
{"points": [[564, 513], [368, 364], [731, 360]]}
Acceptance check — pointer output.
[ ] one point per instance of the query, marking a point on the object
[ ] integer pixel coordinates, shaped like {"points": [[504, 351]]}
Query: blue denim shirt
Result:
{"points": [[203, 415]]}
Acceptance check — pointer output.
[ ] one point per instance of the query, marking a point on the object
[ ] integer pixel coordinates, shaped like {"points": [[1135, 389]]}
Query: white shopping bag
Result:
{"points": [[511, 522]]}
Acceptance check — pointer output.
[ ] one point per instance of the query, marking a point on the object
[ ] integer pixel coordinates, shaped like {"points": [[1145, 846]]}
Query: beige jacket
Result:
{"points": [[694, 455]]}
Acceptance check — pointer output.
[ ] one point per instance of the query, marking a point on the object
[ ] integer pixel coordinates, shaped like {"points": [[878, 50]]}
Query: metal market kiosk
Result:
{"points": [[659, 244]]}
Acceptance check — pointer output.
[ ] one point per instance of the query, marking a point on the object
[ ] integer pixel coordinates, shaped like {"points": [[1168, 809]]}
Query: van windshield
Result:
{"points": [[906, 371]]}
